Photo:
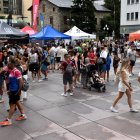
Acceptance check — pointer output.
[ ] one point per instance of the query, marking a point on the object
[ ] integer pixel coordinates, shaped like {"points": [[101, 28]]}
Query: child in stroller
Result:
{"points": [[94, 81]]}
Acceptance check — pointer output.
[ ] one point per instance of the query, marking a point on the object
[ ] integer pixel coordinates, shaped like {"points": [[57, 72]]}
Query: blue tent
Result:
{"points": [[48, 33]]}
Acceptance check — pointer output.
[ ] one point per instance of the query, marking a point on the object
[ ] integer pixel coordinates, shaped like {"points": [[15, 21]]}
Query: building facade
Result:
{"points": [[130, 16], [57, 13], [18, 8]]}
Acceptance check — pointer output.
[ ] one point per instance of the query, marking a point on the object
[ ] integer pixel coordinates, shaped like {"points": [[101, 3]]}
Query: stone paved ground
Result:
{"points": [[85, 116]]}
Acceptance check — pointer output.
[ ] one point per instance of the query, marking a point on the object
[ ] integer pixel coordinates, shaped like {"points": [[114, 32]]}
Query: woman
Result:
{"points": [[124, 87]]}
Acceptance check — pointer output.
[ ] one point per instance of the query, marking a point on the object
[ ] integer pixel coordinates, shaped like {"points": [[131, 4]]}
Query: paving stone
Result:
{"points": [[122, 125], [13, 133], [37, 125], [93, 131], [63, 117]]}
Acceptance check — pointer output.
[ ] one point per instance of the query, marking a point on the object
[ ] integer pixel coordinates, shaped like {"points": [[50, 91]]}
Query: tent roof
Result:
{"points": [[76, 33], [137, 32], [49, 32], [8, 32], [29, 30], [134, 35]]}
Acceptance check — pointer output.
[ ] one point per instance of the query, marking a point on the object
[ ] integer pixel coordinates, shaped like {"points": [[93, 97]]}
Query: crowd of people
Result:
{"points": [[85, 63]]}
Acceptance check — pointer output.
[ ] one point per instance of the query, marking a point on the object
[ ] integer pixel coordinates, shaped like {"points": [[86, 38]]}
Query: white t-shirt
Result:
{"points": [[103, 54], [58, 51], [33, 58], [52, 52], [63, 52]]}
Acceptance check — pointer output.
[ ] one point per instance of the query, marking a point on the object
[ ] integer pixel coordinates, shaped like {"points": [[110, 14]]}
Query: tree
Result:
{"points": [[114, 6], [82, 13]]}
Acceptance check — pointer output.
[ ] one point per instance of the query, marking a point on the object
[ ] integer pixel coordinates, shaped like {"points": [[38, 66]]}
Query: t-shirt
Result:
{"points": [[58, 51], [91, 56], [33, 58], [63, 52], [14, 76], [52, 52], [66, 67], [103, 54]]}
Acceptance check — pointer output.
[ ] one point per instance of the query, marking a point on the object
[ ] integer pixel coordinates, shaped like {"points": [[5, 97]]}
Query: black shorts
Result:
{"points": [[34, 67], [58, 59], [132, 63], [13, 97], [67, 79]]}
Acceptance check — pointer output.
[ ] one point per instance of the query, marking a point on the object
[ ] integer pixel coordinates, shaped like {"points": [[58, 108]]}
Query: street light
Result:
{"points": [[106, 28]]}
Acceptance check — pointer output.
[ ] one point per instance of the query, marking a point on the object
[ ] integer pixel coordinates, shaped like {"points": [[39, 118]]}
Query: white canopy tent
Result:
{"points": [[76, 33]]}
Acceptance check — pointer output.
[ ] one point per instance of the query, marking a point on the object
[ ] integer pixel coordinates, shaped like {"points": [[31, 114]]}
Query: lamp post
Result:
{"points": [[106, 29]]}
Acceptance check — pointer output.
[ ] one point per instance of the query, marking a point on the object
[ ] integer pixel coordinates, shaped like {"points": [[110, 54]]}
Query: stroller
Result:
{"points": [[94, 80]]}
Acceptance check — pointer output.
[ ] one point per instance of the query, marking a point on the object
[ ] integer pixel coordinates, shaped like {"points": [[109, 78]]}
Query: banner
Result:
{"points": [[42, 20], [35, 13]]}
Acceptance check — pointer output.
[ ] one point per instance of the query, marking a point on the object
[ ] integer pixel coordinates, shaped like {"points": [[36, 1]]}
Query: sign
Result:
{"points": [[35, 13]]}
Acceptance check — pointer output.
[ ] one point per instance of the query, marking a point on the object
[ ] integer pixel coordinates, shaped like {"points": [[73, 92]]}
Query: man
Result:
{"points": [[67, 67], [15, 86], [58, 56], [63, 53]]}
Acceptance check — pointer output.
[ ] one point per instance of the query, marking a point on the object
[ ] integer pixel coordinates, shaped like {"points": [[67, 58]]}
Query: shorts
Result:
{"points": [[132, 63], [34, 67], [52, 60], [103, 68], [13, 97], [58, 59], [67, 79]]}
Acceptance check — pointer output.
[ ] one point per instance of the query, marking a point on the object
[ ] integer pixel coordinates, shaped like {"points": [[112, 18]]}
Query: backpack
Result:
{"points": [[117, 78], [25, 85], [69, 68]]}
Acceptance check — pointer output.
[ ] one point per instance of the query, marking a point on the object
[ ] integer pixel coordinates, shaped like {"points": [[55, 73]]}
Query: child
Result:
{"points": [[44, 68]]}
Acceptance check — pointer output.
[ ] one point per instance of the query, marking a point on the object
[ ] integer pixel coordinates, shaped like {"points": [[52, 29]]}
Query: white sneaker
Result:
{"points": [[33, 81], [112, 109], [71, 93], [40, 80], [134, 110], [64, 94], [130, 75]]}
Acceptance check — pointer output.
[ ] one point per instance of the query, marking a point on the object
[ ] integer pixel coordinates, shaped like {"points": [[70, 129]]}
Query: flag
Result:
{"points": [[35, 12], [42, 20]]}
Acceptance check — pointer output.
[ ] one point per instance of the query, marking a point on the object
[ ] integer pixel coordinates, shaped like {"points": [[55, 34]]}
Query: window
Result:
{"points": [[137, 1], [65, 20], [128, 16], [136, 15], [128, 2], [43, 8], [132, 16], [51, 20], [53, 9], [132, 1]]}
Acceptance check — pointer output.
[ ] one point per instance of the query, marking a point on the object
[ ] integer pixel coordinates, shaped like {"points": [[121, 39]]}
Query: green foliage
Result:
{"points": [[83, 15], [114, 6], [2, 17]]}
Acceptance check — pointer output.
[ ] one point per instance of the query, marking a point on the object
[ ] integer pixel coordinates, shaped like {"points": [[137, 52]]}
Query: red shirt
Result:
{"points": [[91, 57]]}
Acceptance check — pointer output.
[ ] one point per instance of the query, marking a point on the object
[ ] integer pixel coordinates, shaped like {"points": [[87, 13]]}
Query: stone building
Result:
{"points": [[57, 13]]}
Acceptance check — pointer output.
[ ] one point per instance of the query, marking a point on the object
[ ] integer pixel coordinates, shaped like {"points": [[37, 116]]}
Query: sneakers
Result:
{"points": [[71, 93], [64, 94], [7, 122], [134, 110], [40, 80], [21, 117], [112, 109]]}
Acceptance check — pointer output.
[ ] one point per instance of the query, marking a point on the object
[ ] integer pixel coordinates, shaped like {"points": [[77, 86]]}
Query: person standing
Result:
{"points": [[116, 61], [124, 87], [132, 57], [67, 67], [108, 63], [15, 86]]}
